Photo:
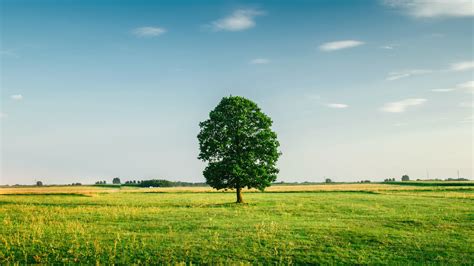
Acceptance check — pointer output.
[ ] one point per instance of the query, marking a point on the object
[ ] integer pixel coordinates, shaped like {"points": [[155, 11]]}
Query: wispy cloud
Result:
{"points": [[407, 73], [240, 19], [387, 47], [3, 115], [259, 61], [148, 32], [315, 98], [456, 67], [467, 86], [462, 66], [466, 104], [337, 105], [16, 97], [8, 53], [402, 106], [443, 90], [469, 119], [434, 8], [338, 45]]}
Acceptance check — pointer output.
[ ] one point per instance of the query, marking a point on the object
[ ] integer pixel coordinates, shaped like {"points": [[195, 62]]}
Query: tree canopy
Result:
{"points": [[239, 145]]}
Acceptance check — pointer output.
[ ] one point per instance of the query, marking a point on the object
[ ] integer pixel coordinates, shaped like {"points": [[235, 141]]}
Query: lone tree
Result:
{"points": [[116, 181], [239, 146], [405, 178]]}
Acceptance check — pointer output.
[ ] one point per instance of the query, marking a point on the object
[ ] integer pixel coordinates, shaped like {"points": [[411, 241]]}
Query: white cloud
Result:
{"points": [[401, 106], [240, 19], [407, 73], [462, 66], [443, 90], [337, 105], [16, 97], [434, 8], [259, 61], [338, 45], [148, 32], [387, 47], [467, 86]]}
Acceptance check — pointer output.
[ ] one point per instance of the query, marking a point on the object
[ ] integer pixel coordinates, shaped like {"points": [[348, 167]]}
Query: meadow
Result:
{"points": [[340, 223]]}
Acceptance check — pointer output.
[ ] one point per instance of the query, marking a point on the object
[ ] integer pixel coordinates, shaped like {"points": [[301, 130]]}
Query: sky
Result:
{"points": [[92, 90]]}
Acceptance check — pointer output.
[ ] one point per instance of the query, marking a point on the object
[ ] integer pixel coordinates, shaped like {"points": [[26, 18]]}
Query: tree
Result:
{"points": [[156, 183], [116, 181], [239, 145], [39, 183], [328, 180], [405, 178]]}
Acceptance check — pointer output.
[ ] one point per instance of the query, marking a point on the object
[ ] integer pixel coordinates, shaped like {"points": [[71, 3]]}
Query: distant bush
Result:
{"points": [[328, 180], [156, 183], [39, 183], [457, 179], [405, 178], [389, 180], [116, 181]]}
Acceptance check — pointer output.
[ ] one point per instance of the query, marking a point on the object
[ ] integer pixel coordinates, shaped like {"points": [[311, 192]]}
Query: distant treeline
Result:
{"points": [[157, 183], [165, 183], [445, 183]]}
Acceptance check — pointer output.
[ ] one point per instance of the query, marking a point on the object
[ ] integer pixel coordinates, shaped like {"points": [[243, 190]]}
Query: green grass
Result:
{"points": [[395, 227]]}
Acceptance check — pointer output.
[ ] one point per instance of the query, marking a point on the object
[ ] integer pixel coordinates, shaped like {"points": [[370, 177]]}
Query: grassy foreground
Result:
{"points": [[353, 224]]}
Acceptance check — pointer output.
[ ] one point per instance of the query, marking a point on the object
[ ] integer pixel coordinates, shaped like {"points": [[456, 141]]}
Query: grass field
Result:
{"points": [[350, 223]]}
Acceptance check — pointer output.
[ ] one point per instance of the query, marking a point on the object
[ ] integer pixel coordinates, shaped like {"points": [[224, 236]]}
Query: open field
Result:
{"points": [[341, 223]]}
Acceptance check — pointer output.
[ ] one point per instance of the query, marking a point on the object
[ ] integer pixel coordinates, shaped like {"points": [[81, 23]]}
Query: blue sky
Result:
{"points": [[357, 89]]}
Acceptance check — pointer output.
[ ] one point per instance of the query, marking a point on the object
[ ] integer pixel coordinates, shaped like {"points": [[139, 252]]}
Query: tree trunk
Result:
{"points": [[239, 195]]}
